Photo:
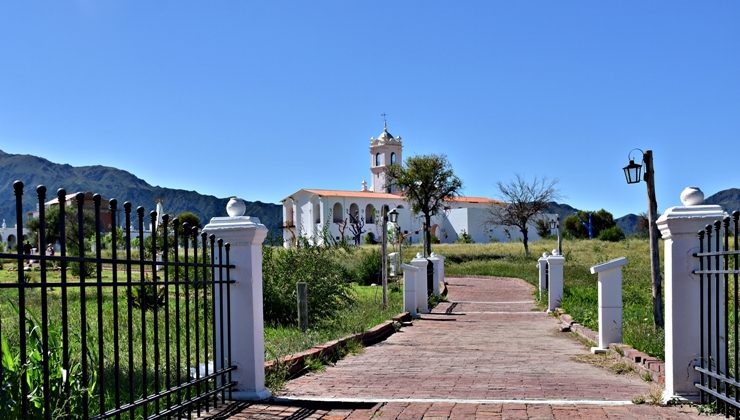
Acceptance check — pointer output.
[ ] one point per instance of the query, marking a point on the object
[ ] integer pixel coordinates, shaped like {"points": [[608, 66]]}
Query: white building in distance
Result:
{"points": [[320, 214]]}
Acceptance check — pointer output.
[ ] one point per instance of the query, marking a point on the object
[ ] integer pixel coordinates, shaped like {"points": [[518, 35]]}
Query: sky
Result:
{"points": [[261, 98]]}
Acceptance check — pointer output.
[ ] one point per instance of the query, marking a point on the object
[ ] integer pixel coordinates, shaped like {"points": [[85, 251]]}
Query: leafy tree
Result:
{"points": [[426, 181], [53, 227], [600, 220], [523, 201], [188, 217]]}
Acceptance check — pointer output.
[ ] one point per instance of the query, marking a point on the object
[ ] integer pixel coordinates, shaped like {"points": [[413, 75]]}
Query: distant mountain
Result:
{"points": [[111, 183], [729, 199], [562, 210], [628, 223]]}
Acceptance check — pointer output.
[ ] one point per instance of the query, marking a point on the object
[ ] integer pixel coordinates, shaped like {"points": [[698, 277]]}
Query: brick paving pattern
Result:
{"points": [[467, 359]]}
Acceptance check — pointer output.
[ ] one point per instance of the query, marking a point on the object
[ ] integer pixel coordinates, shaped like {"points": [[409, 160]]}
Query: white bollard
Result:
{"points": [[542, 267], [610, 303], [679, 226], [422, 300], [245, 235], [393, 262], [441, 269], [409, 288], [555, 264], [436, 262]]}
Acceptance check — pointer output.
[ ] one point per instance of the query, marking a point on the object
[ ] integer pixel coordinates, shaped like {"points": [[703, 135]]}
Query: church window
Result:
{"points": [[393, 158], [354, 211], [377, 159], [337, 213], [316, 213], [370, 214]]}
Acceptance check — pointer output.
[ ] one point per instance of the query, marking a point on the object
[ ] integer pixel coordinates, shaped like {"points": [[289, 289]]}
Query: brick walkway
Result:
{"points": [[487, 353]]}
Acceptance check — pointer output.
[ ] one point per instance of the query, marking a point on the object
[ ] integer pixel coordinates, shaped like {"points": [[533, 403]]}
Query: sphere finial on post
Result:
{"points": [[236, 207]]}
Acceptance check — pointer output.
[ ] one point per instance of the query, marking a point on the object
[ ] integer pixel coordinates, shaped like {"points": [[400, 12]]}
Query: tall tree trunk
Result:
{"points": [[427, 235], [525, 240]]}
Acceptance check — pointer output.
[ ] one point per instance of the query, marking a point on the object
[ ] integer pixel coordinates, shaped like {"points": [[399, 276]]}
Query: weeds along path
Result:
{"points": [[488, 346]]}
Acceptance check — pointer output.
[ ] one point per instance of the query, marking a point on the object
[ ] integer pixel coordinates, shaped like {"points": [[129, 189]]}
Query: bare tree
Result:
{"points": [[523, 201], [356, 225]]}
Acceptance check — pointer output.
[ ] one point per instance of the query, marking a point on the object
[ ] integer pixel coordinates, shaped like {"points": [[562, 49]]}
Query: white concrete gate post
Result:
{"points": [[542, 267], [245, 235], [409, 288], [422, 300], [610, 302], [555, 264], [438, 271], [679, 227]]}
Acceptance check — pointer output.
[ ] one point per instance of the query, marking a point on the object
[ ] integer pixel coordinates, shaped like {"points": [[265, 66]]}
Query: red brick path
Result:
{"points": [[487, 353]]}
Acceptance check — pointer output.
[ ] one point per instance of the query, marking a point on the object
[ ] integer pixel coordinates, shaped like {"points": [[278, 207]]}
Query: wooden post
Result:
{"points": [[654, 236], [303, 305]]}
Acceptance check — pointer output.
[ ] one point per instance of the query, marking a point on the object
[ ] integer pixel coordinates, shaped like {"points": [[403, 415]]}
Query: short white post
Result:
{"points": [[436, 261], [409, 288], [679, 227], [245, 235], [542, 267], [555, 264], [610, 303], [441, 269], [422, 300], [393, 260]]}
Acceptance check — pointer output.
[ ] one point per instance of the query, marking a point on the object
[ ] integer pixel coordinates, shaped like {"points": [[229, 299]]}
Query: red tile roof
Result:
{"points": [[354, 194]]}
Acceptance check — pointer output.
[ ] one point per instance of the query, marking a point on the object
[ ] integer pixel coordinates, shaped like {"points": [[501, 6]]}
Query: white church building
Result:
{"points": [[316, 214]]}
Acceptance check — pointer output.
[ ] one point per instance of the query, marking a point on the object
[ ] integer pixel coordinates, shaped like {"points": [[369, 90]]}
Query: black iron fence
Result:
{"points": [[106, 321], [718, 276]]}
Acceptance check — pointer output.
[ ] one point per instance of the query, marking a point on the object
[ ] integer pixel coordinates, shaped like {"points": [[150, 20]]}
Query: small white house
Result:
{"points": [[319, 214]]}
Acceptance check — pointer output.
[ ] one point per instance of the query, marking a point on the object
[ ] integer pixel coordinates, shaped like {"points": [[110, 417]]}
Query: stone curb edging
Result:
{"points": [[641, 361], [296, 362]]}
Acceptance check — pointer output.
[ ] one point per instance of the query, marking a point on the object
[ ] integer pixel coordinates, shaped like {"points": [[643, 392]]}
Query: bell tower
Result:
{"points": [[385, 150]]}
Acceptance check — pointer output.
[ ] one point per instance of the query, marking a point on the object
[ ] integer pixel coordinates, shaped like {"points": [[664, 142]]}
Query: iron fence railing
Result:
{"points": [[718, 284], [107, 321]]}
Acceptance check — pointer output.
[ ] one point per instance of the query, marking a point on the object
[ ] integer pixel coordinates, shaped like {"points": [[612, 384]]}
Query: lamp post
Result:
{"points": [[393, 218], [384, 255], [555, 224], [632, 175]]}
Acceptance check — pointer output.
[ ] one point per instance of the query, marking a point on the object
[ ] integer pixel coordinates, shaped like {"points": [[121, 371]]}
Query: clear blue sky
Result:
{"points": [[261, 98]]}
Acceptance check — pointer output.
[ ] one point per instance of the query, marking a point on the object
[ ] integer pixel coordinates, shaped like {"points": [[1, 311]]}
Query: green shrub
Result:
{"points": [[31, 370], [329, 290], [369, 268], [148, 297], [612, 234], [464, 238], [370, 239]]}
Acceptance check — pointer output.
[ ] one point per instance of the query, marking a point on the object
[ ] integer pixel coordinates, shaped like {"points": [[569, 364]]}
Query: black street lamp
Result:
{"points": [[632, 170], [632, 175], [555, 224]]}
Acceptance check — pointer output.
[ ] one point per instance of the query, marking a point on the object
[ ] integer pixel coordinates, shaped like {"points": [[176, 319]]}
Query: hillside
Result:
{"points": [[111, 183], [729, 199]]}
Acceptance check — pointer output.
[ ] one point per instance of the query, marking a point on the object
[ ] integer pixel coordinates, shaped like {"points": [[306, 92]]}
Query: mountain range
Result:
{"points": [[124, 186], [111, 183]]}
